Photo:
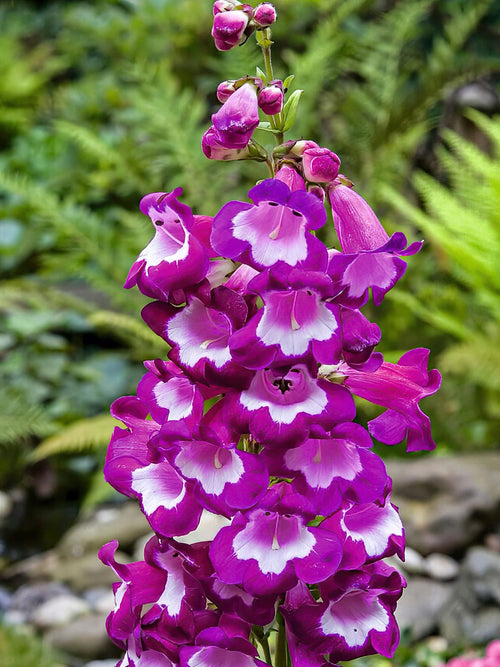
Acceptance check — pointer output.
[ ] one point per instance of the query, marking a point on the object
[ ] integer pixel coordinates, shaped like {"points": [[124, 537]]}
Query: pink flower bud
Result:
{"points": [[271, 98], [238, 117], [320, 165], [357, 226], [229, 28], [265, 14], [317, 191], [290, 177], [225, 90], [224, 6], [214, 149], [299, 147]]}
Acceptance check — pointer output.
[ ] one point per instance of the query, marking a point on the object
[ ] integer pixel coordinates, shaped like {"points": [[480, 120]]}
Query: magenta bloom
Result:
{"points": [[355, 617], [398, 387], [229, 28], [275, 229], [175, 258], [214, 148], [239, 115], [267, 549]]}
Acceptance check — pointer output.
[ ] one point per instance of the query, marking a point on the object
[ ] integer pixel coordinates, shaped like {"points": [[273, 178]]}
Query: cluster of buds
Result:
{"points": [[248, 426], [234, 22], [233, 125]]}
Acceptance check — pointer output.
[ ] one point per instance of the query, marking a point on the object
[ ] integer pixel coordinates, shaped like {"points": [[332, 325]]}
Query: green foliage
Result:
{"points": [[461, 220], [20, 648]]}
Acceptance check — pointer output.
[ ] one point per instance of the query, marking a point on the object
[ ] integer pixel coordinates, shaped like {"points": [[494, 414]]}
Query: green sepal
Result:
{"points": [[290, 109], [264, 125], [262, 76], [288, 81]]}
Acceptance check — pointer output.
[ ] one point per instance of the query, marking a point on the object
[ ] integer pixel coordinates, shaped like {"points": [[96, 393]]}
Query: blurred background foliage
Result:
{"points": [[103, 102]]}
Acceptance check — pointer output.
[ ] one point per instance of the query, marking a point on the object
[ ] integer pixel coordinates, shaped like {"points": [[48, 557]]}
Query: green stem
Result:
{"points": [[281, 645]]}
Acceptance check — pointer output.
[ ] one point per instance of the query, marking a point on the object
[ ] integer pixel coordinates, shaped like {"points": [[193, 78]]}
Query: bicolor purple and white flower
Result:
{"points": [[199, 334], [165, 496], [225, 479], [268, 549], [370, 531], [169, 394], [355, 616], [281, 403], [275, 229], [175, 259], [328, 468]]}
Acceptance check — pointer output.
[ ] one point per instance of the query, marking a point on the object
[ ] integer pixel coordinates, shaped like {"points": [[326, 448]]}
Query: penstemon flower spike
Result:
{"points": [[247, 427]]}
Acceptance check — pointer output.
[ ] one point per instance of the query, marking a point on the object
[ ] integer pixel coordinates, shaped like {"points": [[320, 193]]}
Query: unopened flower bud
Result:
{"points": [[238, 117], [225, 90], [320, 165], [265, 14], [317, 191], [214, 149], [299, 147], [229, 28], [357, 226], [271, 98], [224, 6]]}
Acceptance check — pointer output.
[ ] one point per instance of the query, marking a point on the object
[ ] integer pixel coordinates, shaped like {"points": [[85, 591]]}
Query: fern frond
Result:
{"points": [[89, 142], [90, 434], [479, 359], [134, 332]]}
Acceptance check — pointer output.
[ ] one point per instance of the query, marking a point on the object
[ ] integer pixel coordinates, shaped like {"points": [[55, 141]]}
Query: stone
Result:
{"points": [[84, 637], [100, 663], [58, 611], [413, 563], [481, 567], [420, 606], [473, 613], [441, 567], [125, 523], [29, 597], [447, 503], [87, 572]]}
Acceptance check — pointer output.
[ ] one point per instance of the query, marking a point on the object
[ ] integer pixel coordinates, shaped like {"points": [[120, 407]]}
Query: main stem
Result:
{"points": [[281, 645], [265, 43]]}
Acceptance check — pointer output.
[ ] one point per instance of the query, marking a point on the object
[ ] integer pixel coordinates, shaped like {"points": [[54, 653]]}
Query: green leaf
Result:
{"points": [[261, 75], [290, 109], [288, 81]]}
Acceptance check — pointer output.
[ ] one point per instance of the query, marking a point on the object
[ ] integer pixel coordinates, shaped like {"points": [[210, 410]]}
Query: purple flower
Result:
{"points": [[275, 229], [166, 498], [229, 28], [215, 149], [379, 269], [175, 258], [357, 226], [199, 334], [215, 647], [295, 321], [398, 387], [269, 548], [369, 531], [355, 616], [169, 394], [328, 468], [239, 115], [320, 165], [281, 403], [225, 479]]}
